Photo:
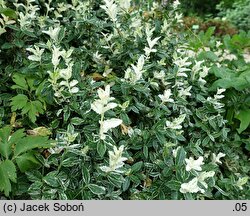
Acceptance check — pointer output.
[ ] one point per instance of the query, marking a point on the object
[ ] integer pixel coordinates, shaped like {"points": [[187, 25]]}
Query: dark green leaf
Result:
{"points": [[7, 174], [31, 142], [180, 156], [27, 161], [116, 179], [101, 148], [244, 117], [85, 175], [51, 179], [136, 167], [96, 189]]}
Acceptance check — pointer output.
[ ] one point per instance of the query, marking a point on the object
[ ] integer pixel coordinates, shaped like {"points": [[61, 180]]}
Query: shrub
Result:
{"points": [[127, 99], [238, 14]]}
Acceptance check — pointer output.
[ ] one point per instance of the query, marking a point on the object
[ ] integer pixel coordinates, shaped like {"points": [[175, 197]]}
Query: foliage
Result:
{"points": [[17, 149], [199, 7], [133, 104], [238, 14]]}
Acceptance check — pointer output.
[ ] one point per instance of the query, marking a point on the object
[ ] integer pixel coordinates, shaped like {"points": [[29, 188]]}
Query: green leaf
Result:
{"points": [[180, 156], [27, 161], [208, 55], [15, 137], [101, 148], [70, 161], [5, 147], [96, 189], [7, 174], [85, 175], [35, 189], [20, 82], [76, 121], [174, 185], [51, 179], [244, 117], [8, 12], [126, 184], [34, 175], [137, 166], [34, 108], [18, 102], [31, 142], [145, 151], [116, 179]]}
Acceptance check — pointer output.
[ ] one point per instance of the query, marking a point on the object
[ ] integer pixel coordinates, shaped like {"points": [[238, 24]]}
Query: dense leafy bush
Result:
{"points": [[126, 98], [238, 14], [199, 7]]}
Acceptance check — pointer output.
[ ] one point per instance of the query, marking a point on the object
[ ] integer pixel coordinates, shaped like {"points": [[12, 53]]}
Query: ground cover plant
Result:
{"points": [[111, 100]]}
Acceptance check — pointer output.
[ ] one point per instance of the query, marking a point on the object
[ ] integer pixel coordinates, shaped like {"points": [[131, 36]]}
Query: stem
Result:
{"points": [[101, 125]]}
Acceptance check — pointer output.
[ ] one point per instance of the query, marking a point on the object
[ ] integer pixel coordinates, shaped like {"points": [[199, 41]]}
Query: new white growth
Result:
{"points": [[242, 181], [215, 101], [194, 164], [53, 33], [5, 21], [124, 4], [28, 15], [151, 42], [102, 105], [136, 72], [216, 158], [192, 186], [37, 53], [111, 9], [176, 124], [116, 160], [166, 96], [60, 78]]}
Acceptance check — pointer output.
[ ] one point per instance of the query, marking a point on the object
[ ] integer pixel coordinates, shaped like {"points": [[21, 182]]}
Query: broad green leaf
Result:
{"points": [[137, 166], [8, 12], [224, 73], [7, 174], [33, 108], [30, 82], [16, 136], [20, 82], [244, 117], [18, 102], [27, 161], [96, 189], [5, 147], [31, 142]]}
